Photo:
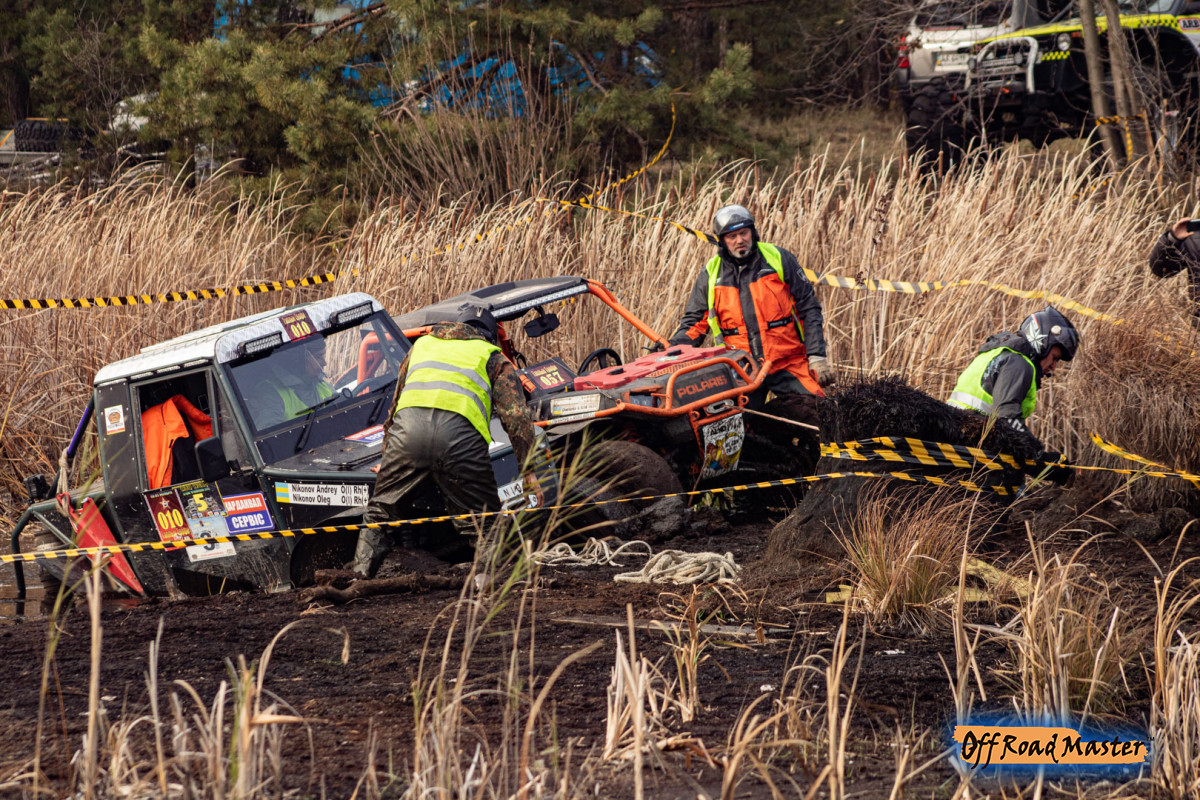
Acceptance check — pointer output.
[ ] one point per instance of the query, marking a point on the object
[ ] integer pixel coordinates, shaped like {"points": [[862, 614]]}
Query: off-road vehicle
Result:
{"points": [[196, 440], [1033, 83], [660, 421]]}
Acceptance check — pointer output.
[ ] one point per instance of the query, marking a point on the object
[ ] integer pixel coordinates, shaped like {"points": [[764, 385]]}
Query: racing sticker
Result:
{"points": [[167, 513], [1189, 23], [297, 325], [323, 494], [370, 436], [722, 442], [548, 375], [114, 419], [245, 513], [205, 515]]}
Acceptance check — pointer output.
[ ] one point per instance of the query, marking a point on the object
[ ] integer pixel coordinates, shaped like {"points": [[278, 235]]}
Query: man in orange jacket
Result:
{"points": [[753, 296]]}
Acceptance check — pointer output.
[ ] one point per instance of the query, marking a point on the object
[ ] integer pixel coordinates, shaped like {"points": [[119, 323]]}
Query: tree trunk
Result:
{"points": [[1095, 67], [1122, 72]]}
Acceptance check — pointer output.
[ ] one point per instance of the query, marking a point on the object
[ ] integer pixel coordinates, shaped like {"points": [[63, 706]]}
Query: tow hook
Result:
{"points": [[719, 407]]}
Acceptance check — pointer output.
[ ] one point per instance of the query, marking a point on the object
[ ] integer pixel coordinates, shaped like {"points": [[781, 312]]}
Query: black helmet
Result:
{"points": [[730, 219], [1048, 327], [479, 318]]}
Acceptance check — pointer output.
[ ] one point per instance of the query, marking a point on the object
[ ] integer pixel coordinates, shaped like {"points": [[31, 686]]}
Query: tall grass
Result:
{"points": [[1031, 222]]}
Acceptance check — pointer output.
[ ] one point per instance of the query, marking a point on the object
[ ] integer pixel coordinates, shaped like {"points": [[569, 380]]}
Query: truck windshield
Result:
{"points": [[961, 14], [326, 386]]}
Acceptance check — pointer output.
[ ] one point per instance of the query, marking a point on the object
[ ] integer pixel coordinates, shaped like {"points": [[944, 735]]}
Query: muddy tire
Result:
{"points": [[935, 125], [38, 136], [635, 470]]}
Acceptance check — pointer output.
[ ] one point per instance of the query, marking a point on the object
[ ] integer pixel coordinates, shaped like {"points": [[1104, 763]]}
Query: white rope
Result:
{"points": [[676, 566], [594, 553], [669, 566]]}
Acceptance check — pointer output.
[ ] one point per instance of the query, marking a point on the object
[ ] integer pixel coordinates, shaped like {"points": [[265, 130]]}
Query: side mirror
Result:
{"points": [[210, 457], [540, 326]]}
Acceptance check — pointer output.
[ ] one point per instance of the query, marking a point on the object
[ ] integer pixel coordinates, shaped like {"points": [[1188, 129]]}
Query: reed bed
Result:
{"points": [[1030, 222]]}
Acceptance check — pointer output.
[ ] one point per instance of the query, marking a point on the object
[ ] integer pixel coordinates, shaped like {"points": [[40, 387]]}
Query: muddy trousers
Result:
{"points": [[423, 445]]}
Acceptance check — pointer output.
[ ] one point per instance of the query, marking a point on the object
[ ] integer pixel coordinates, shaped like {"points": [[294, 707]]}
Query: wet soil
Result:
{"points": [[395, 640]]}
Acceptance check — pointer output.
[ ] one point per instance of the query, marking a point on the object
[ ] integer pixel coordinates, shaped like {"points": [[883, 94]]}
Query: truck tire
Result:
{"points": [[934, 124], [635, 470], [38, 136]]}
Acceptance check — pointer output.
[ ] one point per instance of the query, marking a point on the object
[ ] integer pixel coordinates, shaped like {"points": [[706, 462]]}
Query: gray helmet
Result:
{"points": [[1048, 327], [730, 219], [479, 318]]}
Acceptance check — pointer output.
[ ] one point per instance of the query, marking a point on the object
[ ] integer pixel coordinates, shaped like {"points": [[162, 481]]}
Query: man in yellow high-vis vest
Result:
{"points": [[1003, 378], [753, 296], [449, 385]]}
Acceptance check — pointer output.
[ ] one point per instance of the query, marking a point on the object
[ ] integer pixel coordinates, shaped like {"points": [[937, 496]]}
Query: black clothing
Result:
{"points": [[1170, 256]]}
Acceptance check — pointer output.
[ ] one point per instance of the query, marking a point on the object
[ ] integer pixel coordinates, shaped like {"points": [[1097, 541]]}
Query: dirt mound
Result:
{"points": [[803, 547]]}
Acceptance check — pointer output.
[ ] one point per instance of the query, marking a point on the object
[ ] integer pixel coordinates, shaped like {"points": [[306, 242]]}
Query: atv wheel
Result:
{"points": [[635, 470], [38, 136], [935, 125]]}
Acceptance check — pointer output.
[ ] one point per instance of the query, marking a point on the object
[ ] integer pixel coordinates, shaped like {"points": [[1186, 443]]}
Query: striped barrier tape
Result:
{"points": [[142, 547], [311, 280], [941, 454]]}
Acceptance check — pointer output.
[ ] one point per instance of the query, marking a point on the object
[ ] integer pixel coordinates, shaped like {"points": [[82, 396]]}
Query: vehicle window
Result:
{"points": [[175, 414], [1146, 6], [326, 370], [964, 13]]}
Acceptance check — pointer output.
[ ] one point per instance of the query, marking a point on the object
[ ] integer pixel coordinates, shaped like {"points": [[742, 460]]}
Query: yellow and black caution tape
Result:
{"points": [[143, 547], [169, 297], [1162, 469], [940, 454]]}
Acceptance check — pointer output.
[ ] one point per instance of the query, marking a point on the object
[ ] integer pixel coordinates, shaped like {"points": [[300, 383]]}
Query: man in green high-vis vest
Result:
{"points": [[1004, 377], [449, 385]]}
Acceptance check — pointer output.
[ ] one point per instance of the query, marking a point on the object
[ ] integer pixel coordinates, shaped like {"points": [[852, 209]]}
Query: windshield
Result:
{"points": [[964, 13], [1147, 6], [325, 387]]}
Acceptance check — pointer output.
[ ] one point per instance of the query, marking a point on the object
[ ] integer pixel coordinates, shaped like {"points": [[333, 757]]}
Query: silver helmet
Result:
{"points": [[731, 218]]}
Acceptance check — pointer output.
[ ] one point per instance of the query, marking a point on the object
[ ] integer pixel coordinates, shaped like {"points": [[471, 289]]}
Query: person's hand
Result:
{"points": [[657, 347], [1179, 229], [532, 486], [1058, 469], [824, 372]]}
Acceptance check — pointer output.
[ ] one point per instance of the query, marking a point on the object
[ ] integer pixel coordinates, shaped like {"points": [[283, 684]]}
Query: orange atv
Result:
{"points": [[660, 422]]}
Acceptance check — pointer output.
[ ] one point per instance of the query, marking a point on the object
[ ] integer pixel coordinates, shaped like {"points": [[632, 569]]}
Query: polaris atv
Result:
{"points": [[660, 421], [268, 422]]}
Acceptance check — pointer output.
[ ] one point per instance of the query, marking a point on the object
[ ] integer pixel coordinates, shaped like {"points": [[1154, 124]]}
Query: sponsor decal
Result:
{"points": [[370, 436], [205, 515], [297, 325], [722, 441], [573, 405], [323, 494], [247, 513], [114, 420], [1189, 24]]}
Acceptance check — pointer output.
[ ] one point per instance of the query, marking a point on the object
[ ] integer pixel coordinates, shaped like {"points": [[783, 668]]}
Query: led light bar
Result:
{"points": [[504, 311], [262, 344]]}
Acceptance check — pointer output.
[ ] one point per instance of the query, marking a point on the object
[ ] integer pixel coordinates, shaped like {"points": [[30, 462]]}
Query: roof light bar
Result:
{"points": [[351, 314], [550, 298], [263, 344]]}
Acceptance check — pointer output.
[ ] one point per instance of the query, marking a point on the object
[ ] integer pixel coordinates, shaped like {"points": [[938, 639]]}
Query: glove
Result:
{"points": [[1059, 469], [820, 367], [657, 347]]}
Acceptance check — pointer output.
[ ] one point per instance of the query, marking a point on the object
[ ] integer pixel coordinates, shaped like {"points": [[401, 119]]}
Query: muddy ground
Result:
{"points": [[901, 686]]}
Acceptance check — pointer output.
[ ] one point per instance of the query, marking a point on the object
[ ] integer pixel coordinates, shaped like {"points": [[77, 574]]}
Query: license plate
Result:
{"points": [[952, 59], [722, 441], [572, 405], [511, 490]]}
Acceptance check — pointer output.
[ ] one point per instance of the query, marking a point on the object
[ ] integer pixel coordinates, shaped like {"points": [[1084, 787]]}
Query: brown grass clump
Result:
{"points": [[1071, 642], [1036, 223], [903, 551]]}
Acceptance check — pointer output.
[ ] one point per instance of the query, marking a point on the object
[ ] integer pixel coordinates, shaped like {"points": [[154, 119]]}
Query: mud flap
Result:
{"points": [[92, 531]]}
